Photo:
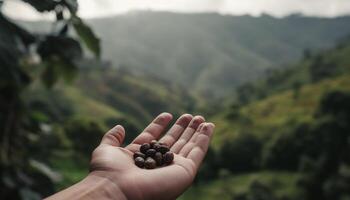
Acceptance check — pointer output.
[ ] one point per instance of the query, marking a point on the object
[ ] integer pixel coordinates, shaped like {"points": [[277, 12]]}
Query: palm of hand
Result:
{"points": [[188, 138]]}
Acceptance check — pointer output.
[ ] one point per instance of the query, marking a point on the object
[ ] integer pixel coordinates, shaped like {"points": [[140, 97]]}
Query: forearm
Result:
{"points": [[92, 187]]}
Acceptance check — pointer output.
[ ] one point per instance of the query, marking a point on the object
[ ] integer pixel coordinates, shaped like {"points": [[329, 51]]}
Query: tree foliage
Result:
{"points": [[26, 57], [241, 154]]}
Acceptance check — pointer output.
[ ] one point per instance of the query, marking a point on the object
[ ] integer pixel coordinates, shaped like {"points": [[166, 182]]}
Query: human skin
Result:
{"points": [[113, 174]]}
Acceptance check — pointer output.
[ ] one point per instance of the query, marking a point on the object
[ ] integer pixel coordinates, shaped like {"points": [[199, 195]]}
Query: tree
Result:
{"points": [[322, 68], [59, 53], [326, 175], [296, 89], [241, 154], [285, 151], [78, 130]]}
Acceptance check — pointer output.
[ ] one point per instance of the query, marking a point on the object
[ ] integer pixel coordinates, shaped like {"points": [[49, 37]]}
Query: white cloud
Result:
{"points": [[99, 8]]}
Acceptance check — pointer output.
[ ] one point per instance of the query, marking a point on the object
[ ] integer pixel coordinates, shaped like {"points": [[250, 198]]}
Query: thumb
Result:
{"points": [[114, 137]]}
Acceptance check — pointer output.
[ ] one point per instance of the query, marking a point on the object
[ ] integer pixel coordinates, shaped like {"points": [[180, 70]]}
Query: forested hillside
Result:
{"points": [[210, 52], [287, 138], [110, 96]]}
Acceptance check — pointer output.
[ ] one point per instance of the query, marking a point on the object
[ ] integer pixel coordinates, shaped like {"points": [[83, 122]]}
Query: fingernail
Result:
{"points": [[208, 127], [197, 120]]}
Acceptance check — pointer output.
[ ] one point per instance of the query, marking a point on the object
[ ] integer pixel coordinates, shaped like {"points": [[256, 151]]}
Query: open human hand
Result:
{"points": [[113, 165]]}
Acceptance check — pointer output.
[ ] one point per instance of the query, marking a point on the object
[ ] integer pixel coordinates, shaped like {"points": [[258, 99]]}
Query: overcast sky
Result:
{"points": [[99, 8]]}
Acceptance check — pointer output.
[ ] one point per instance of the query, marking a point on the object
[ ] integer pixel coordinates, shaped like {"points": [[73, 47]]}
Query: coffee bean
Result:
{"points": [[140, 162], [139, 154], [168, 157], [153, 154], [163, 149], [150, 152], [153, 142], [156, 146], [158, 157], [150, 163], [145, 147]]}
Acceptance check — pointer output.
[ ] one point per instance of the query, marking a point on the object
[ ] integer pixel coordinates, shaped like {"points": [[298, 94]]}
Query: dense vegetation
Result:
{"points": [[282, 136], [27, 136], [286, 142]]}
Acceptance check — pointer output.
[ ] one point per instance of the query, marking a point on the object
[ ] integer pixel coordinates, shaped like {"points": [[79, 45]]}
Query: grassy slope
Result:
{"points": [[89, 108], [300, 72], [281, 108], [138, 97], [277, 111]]}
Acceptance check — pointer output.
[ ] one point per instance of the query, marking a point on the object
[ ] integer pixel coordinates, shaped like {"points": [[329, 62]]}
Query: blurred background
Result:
{"points": [[274, 76]]}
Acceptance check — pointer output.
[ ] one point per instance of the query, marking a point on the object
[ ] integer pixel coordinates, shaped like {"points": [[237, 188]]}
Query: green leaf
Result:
{"points": [[57, 68], [61, 46], [89, 38], [59, 54], [68, 71]]}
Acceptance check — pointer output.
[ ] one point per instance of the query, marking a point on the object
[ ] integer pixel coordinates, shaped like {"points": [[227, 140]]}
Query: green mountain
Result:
{"points": [[209, 53]]}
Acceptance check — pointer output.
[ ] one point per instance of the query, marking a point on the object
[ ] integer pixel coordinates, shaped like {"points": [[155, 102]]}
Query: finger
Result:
{"points": [[191, 143], [202, 143], [176, 130], [197, 133], [154, 129], [187, 134], [114, 137]]}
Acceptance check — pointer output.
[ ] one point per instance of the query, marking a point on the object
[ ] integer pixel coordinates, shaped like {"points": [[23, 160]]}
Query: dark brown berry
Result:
{"points": [[153, 142], [158, 157], [139, 154], [150, 163], [156, 146], [168, 157], [151, 152], [163, 149], [140, 162], [145, 147]]}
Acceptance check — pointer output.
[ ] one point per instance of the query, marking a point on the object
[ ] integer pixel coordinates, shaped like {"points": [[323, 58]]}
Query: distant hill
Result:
{"points": [[311, 69], [210, 53]]}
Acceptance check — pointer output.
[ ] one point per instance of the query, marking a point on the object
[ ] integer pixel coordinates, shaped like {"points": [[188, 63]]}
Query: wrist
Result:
{"points": [[92, 187], [103, 188]]}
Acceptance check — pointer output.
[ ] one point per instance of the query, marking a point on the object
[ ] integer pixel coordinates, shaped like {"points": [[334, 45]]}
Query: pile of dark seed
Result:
{"points": [[152, 155]]}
